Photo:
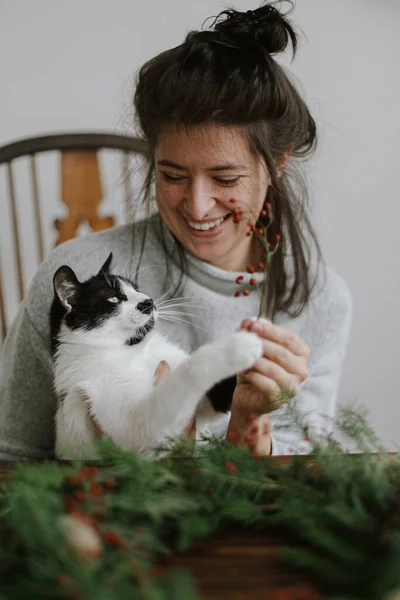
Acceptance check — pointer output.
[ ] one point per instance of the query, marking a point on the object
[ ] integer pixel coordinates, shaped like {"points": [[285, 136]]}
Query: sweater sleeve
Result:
{"points": [[327, 332], [27, 403]]}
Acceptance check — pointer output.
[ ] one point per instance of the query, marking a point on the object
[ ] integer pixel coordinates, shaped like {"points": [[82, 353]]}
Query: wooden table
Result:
{"points": [[231, 565]]}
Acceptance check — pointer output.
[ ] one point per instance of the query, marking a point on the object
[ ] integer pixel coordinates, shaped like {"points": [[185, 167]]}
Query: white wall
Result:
{"points": [[68, 66]]}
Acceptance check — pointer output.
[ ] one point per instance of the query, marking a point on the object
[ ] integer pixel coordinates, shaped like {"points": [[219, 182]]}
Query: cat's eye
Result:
{"points": [[114, 300]]}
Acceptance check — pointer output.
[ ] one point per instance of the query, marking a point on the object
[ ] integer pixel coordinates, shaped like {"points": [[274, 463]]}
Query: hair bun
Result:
{"points": [[265, 26]]}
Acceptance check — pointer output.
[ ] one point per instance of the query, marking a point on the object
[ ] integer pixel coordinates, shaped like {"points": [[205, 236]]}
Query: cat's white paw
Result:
{"points": [[244, 350]]}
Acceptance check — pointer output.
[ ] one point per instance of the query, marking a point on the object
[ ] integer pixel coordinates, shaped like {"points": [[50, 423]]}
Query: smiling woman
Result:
{"points": [[197, 174], [226, 130]]}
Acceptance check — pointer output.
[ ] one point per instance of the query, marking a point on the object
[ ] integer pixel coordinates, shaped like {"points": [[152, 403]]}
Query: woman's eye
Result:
{"points": [[173, 178], [114, 300], [227, 181]]}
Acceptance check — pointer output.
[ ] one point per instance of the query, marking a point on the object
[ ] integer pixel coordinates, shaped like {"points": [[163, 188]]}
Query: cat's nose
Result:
{"points": [[146, 306]]}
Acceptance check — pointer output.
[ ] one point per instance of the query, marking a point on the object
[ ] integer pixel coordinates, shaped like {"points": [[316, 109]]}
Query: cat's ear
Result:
{"points": [[106, 268], [66, 286]]}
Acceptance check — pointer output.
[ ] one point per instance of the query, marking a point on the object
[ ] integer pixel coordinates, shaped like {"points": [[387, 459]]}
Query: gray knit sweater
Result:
{"points": [[27, 402]]}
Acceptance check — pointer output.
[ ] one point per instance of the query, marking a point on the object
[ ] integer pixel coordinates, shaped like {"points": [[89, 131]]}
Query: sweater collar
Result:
{"points": [[209, 276]]}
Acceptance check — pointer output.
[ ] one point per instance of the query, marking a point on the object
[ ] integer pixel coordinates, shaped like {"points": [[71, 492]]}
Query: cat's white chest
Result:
{"points": [[134, 368]]}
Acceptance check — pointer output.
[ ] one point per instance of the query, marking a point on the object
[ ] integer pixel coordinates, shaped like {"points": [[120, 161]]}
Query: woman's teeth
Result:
{"points": [[206, 226]]}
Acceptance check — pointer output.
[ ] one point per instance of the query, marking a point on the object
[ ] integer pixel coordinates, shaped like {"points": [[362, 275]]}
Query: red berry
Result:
{"points": [[79, 496], [96, 491], [232, 200], [248, 234], [84, 473], [72, 479], [239, 279], [252, 281], [94, 472], [261, 266], [232, 436], [263, 213], [110, 483], [251, 225], [268, 206], [235, 211], [260, 230], [277, 237], [250, 269], [113, 539], [237, 293], [229, 466], [246, 292]]}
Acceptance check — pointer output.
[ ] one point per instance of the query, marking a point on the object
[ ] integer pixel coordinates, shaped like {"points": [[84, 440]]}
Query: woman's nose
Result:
{"points": [[199, 200]]}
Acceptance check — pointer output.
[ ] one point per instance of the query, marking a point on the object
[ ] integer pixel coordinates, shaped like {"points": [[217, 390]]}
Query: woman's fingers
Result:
{"points": [[280, 376], [161, 371], [285, 359], [280, 335]]}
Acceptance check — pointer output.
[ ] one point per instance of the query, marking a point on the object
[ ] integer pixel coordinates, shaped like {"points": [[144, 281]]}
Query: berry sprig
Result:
{"points": [[254, 228]]}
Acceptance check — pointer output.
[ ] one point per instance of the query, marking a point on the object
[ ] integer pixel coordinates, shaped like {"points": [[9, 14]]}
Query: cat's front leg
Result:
{"points": [[168, 409], [74, 432]]}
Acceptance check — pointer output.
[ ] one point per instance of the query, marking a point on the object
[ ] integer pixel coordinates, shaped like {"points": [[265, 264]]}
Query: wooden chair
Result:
{"points": [[81, 187]]}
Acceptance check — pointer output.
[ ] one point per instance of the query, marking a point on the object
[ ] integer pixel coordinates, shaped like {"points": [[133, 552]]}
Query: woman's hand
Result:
{"points": [[161, 371], [283, 364]]}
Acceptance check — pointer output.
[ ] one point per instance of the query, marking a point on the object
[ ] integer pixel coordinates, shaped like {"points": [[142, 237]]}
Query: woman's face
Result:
{"points": [[198, 172]]}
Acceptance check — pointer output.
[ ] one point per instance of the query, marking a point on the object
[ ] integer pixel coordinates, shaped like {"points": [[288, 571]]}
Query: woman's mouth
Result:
{"points": [[199, 228]]}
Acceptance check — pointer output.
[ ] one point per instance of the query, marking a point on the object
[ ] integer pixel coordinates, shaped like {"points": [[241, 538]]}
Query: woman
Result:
{"points": [[226, 129]]}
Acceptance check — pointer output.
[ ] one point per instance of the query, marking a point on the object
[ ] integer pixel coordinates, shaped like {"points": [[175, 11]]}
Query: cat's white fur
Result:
{"points": [[94, 371]]}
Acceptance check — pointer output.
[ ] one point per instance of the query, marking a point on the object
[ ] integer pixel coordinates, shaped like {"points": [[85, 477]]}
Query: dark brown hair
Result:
{"points": [[227, 75]]}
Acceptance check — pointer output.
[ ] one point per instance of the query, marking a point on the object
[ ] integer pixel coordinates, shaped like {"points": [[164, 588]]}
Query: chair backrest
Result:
{"points": [[81, 188]]}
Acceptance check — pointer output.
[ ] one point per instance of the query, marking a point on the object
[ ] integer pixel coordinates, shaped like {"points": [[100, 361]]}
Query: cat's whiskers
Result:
{"points": [[184, 304], [178, 320], [185, 299], [170, 290], [183, 313]]}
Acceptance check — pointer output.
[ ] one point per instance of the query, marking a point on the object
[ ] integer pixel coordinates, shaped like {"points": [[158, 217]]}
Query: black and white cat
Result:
{"points": [[106, 349]]}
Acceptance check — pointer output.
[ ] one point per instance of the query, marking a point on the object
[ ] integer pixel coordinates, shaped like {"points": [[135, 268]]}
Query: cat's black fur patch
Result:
{"points": [[90, 306], [141, 333], [89, 303], [221, 394]]}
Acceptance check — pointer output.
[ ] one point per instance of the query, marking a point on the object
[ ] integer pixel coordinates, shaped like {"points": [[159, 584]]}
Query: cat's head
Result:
{"points": [[104, 309]]}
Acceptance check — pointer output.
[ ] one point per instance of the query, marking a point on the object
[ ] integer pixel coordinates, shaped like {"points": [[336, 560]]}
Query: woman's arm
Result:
{"points": [[27, 403], [327, 331]]}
